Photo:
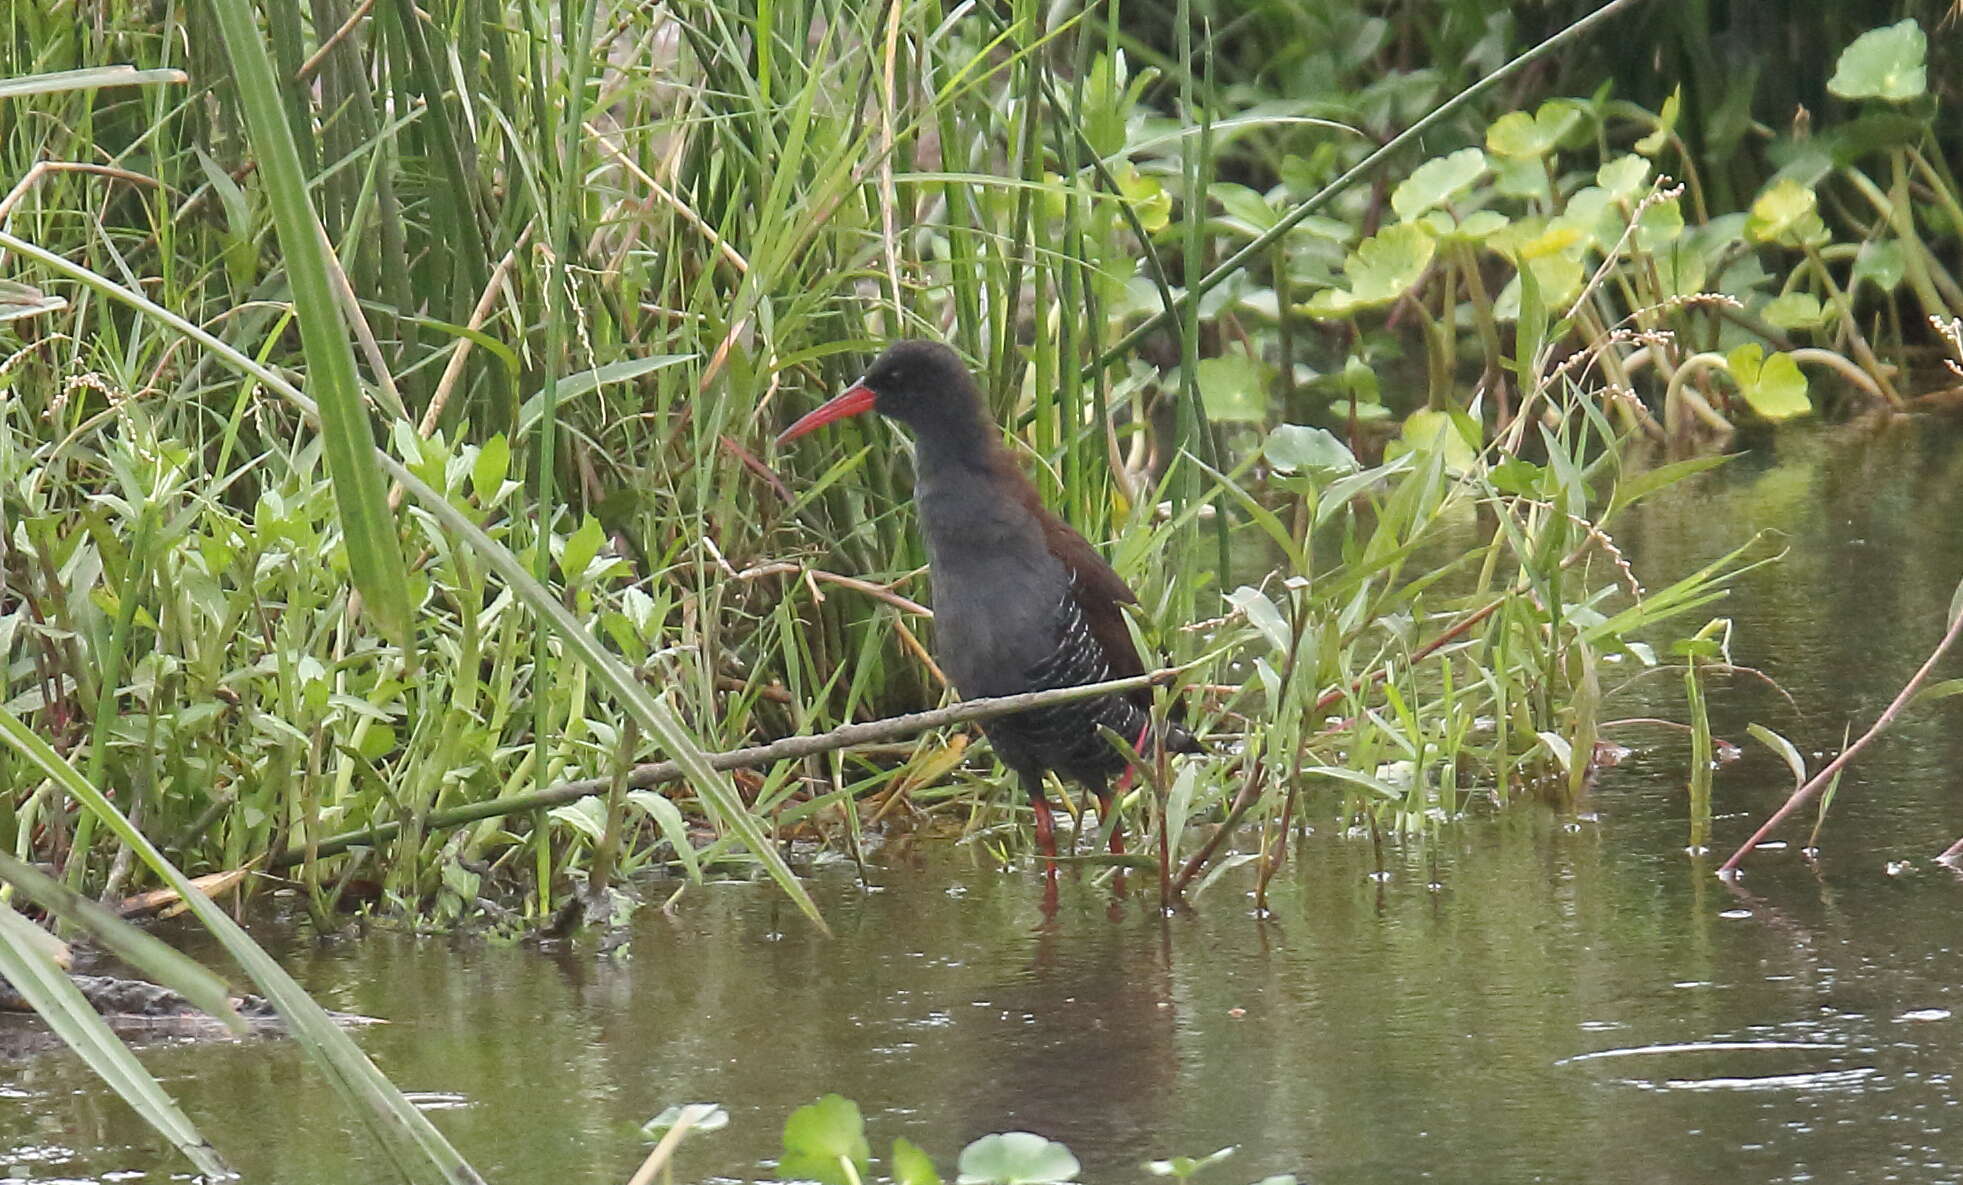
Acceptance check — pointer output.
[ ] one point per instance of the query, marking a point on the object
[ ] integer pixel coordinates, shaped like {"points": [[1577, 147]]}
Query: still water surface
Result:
{"points": [[1528, 998]]}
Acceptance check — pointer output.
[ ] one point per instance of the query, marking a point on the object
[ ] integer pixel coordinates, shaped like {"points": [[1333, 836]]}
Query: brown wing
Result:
{"points": [[1100, 592]]}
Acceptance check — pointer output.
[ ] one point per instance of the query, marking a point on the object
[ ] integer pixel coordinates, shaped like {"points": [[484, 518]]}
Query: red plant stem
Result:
{"points": [[1833, 767]]}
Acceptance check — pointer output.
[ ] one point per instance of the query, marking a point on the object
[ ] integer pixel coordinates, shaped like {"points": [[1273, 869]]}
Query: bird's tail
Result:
{"points": [[1177, 738], [1172, 737]]}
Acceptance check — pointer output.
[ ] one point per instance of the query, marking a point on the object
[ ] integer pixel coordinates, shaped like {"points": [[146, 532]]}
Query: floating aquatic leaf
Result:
{"points": [[701, 1117], [1016, 1158], [821, 1138], [1185, 1166], [1382, 268], [1234, 388], [1439, 431], [911, 1166]]}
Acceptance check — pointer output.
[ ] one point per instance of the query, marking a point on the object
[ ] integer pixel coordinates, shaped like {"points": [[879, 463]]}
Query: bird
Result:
{"points": [[1022, 601]]}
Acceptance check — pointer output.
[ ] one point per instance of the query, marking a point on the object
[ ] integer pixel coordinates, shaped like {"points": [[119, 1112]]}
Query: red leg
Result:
{"points": [[1045, 832], [1124, 784], [1107, 809]]}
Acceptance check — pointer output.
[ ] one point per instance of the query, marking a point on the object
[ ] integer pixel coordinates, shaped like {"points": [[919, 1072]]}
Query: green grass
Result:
{"points": [[589, 278]]}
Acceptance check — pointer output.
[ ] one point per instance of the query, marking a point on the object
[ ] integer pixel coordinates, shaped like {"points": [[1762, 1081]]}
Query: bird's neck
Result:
{"points": [[958, 440]]}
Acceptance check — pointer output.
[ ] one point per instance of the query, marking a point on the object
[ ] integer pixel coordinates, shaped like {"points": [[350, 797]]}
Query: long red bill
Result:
{"points": [[856, 398]]}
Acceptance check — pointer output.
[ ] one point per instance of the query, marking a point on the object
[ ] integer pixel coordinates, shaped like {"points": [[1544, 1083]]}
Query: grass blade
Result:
{"points": [[406, 1133], [152, 956], [374, 551], [57, 1000]]}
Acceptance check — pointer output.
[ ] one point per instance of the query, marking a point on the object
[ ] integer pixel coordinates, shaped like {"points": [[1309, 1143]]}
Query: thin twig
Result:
{"points": [[876, 591], [341, 34], [494, 288], [1834, 767], [681, 207], [789, 748]]}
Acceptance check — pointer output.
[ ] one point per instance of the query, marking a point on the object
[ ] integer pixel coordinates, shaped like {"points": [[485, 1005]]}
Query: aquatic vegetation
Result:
{"points": [[825, 1141]]}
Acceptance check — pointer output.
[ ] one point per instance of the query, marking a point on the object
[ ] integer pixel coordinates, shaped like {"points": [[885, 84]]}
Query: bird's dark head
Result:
{"points": [[922, 384]]}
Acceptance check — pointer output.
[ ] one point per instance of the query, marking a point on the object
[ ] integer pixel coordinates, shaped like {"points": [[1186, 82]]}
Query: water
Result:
{"points": [[1529, 998]]}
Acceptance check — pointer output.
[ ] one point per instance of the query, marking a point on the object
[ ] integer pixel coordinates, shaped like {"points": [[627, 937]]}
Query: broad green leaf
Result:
{"points": [[1660, 225], [1880, 263], [1360, 381], [911, 1166], [1382, 268], [1234, 388], [1681, 270], [1016, 1158], [1774, 387], [674, 828], [821, 1138], [1149, 199], [491, 466], [1520, 477], [1293, 448], [1244, 206], [587, 816], [1786, 213], [1476, 226], [1623, 177], [1388, 263], [1593, 219], [1521, 136], [1558, 279], [1438, 182], [1794, 310], [1436, 431], [1886, 63]]}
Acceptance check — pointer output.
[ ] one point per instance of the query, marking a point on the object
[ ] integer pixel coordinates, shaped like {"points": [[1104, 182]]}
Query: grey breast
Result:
{"points": [[996, 587]]}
